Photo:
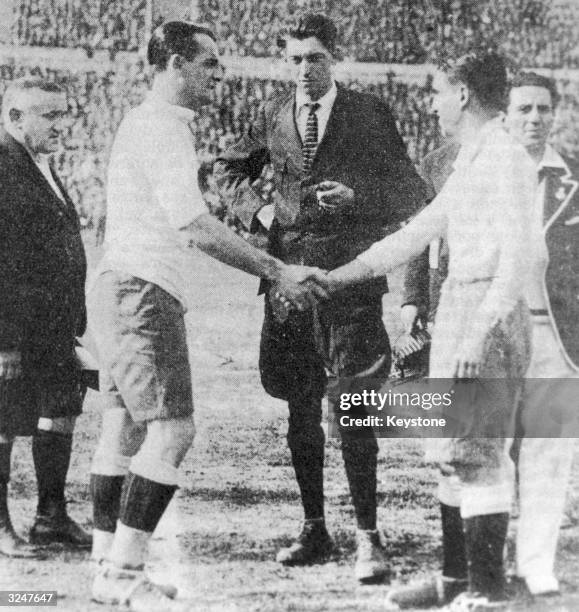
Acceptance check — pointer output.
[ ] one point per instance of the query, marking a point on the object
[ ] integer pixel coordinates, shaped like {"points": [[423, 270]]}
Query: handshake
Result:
{"points": [[300, 288]]}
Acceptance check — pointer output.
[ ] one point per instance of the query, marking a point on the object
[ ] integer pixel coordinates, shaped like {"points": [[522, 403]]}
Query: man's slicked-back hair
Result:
{"points": [[27, 84], [312, 24], [175, 38], [532, 79], [484, 73]]}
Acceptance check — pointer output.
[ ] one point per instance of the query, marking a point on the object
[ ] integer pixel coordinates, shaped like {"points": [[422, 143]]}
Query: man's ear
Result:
{"points": [[464, 96], [15, 116], [176, 61]]}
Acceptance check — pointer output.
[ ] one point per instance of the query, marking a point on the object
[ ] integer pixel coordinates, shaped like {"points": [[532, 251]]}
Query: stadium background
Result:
{"points": [[96, 48], [238, 502]]}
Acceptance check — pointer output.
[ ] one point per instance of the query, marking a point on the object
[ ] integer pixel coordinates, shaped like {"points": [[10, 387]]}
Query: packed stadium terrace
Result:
{"points": [[540, 33], [98, 102]]}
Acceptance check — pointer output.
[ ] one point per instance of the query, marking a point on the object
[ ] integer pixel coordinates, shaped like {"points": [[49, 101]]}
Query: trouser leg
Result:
{"points": [[544, 471], [306, 442]]}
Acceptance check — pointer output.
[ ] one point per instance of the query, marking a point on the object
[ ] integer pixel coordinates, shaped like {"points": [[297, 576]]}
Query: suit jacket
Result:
{"points": [[561, 218], [43, 269], [362, 149]]}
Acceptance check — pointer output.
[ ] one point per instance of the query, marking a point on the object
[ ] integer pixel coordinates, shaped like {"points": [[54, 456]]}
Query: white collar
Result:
{"points": [[469, 151], [552, 159], [186, 115], [326, 101]]}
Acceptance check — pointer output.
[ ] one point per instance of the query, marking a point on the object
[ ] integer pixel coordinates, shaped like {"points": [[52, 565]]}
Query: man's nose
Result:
{"points": [[534, 116]]}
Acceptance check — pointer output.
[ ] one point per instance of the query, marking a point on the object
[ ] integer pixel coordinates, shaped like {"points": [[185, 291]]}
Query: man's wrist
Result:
{"points": [[274, 269]]}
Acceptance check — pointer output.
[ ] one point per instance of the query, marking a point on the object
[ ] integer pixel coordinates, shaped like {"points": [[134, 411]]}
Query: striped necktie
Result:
{"points": [[311, 138]]}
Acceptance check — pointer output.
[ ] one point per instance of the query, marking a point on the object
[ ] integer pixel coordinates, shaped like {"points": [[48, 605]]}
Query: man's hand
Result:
{"points": [[334, 197], [301, 286], [469, 358], [10, 365]]}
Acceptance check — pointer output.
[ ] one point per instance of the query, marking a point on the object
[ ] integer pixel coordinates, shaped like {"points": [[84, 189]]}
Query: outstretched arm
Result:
{"points": [[394, 250], [297, 283]]}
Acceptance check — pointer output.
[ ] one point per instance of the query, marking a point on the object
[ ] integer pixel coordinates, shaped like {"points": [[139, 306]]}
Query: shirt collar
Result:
{"points": [[325, 102], [468, 152], [186, 115], [552, 159]]}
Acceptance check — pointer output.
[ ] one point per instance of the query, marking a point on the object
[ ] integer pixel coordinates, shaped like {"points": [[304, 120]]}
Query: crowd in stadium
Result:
{"points": [[533, 31], [98, 102]]}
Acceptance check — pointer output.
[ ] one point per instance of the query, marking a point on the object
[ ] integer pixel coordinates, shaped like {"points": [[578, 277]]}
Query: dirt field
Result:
{"points": [[239, 501]]}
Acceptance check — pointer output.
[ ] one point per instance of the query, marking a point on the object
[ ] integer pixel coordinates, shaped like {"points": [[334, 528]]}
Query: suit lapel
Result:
{"points": [[334, 132], [289, 136], [33, 174], [561, 196]]}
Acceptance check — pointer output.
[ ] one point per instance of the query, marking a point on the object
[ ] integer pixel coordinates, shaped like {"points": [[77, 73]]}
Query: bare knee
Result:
{"points": [[120, 439]]}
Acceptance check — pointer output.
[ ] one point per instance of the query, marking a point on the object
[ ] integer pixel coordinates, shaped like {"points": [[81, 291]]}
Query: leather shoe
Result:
{"points": [[371, 562], [312, 545], [434, 592], [62, 529], [13, 546]]}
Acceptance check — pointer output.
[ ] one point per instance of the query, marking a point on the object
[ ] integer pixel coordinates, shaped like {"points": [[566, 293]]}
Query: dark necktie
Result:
{"points": [[311, 138], [551, 175]]}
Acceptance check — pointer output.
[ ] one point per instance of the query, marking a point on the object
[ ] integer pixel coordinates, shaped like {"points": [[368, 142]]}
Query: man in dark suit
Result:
{"points": [[42, 310], [543, 463], [341, 174]]}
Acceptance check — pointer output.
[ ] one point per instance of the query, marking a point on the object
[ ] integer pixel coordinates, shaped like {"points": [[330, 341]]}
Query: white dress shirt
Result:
{"points": [[44, 167], [326, 103], [152, 192], [483, 210]]}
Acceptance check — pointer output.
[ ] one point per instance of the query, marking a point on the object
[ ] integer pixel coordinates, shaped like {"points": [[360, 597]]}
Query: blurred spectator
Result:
{"points": [[537, 33]]}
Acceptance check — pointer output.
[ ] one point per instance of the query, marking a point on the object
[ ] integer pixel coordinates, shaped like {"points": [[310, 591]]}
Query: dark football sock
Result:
{"points": [[143, 502], [106, 500], [485, 537], [453, 543], [51, 453]]}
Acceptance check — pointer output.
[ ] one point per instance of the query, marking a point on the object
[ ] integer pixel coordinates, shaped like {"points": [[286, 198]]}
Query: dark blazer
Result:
{"points": [[561, 217], [362, 149], [43, 269]]}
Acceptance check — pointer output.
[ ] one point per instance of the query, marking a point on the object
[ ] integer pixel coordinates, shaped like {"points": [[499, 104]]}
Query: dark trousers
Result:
{"points": [[294, 358]]}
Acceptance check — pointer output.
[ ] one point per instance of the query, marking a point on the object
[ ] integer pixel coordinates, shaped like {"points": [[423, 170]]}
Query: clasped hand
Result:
{"points": [[299, 287]]}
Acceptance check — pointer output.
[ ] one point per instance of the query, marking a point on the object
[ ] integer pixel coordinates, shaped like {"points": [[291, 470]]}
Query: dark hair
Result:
{"points": [[175, 37], [532, 79], [312, 24], [28, 84], [484, 73]]}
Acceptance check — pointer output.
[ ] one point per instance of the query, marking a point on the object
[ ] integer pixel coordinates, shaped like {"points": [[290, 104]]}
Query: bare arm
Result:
{"points": [[297, 283]]}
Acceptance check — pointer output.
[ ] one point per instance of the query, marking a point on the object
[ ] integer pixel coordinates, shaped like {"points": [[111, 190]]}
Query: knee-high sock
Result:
{"points": [[453, 543], [106, 498], [544, 473], [360, 461], [485, 537], [143, 503], [5, 454], [51, 454], [306, 442]]}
